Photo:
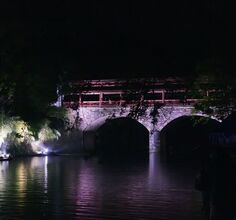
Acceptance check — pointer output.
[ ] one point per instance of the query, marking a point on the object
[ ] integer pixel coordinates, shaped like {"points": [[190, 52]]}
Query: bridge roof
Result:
{"points": [[121, 84]]}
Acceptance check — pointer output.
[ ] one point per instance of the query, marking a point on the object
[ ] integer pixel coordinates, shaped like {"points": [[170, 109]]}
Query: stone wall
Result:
{"points": [[89, 119]]}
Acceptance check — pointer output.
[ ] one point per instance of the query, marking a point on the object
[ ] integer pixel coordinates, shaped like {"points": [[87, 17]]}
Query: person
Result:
{"points": [[217, 183]]}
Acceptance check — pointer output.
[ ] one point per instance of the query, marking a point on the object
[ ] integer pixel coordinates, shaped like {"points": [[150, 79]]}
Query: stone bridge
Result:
{"points": [[90, 119], [92, 103]]}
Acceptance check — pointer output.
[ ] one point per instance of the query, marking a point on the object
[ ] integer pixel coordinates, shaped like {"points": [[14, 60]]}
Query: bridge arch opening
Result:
{"points": [[186, 137], [229, 123], [117, 136]]}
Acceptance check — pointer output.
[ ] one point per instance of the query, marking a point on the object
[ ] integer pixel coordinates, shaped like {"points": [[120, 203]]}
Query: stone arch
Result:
{"points": [[169, 114], [92, 117], [166, 115], [182, 132], [170, 120], [229, 123], [89, 133], [91, 137]]}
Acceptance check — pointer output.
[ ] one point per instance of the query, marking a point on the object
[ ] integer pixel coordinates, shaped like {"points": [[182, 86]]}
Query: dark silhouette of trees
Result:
{"points": [[28, 87], [216, 86]]}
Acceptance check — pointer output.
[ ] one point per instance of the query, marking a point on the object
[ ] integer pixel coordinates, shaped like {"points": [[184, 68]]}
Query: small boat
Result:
{"points": [[5, 157]]}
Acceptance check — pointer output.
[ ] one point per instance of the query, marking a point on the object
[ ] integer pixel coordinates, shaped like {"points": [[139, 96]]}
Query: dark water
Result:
{"points": [[69, 187]]}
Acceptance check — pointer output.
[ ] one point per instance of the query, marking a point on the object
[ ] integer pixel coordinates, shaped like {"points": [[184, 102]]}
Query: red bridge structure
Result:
{"points": [[92, 103], [115, 92]]}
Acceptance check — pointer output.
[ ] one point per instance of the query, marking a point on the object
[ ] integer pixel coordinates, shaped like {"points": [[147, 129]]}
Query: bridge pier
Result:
{"points": [[154, 140]]}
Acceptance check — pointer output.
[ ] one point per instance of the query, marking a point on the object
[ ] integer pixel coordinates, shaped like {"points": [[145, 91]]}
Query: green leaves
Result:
{"points": [[217, 90]]}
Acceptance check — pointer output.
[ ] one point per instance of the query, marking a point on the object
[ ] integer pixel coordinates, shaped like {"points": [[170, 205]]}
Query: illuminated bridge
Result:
{"points": [[94, 103]]}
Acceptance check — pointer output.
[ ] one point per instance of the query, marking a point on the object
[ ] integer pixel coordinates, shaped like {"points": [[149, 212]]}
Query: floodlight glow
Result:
{"points": [[4, 155], [39, 148], [4, 131], [45, 151], [36, 147], [22, 129], [46, 133]]}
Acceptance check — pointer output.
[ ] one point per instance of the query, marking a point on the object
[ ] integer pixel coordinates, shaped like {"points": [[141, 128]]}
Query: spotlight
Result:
{"points": [[45, 151]]}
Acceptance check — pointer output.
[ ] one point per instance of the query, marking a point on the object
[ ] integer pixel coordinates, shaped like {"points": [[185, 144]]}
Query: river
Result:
{"points": [[70, 187]]}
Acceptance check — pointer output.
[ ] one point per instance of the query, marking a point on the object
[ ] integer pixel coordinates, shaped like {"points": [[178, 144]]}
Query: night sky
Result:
{"points": [[105, 39]]}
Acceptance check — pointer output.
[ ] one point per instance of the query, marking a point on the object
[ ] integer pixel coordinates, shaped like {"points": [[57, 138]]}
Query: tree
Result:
{"points": [[217, 88], [28, 88]]}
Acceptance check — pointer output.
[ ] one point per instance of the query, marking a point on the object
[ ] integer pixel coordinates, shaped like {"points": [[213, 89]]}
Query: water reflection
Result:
{"points": [[21, 182], [3, 172], [153, 172], [70, 187], [45, 174], [87, 196]]}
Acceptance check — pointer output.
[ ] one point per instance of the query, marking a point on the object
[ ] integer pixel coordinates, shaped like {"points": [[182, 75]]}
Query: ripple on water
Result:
{"points": [[71, 188]]}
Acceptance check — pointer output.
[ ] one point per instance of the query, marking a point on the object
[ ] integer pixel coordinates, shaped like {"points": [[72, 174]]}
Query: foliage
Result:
{"points": [[21, 132], [217, 90], [46, 133], [134, 94], [30, 96], [28, 86], [18, 137], [6, 91]]}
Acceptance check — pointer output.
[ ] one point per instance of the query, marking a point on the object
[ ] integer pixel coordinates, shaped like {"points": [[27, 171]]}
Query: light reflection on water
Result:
{"points": [[68, 186]]}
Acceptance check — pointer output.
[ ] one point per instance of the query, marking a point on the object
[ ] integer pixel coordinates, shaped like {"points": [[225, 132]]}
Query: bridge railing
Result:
{"points": [[106, 93], [76, 105]]}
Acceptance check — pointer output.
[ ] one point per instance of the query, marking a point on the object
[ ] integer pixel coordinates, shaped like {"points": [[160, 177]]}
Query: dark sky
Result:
{"points": [[105, 39]]}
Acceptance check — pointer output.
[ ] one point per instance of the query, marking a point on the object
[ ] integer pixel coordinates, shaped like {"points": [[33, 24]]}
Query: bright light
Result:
{"points": [[4, 156], [17, 132], [46, 133], [23, 130], [4, 131], [45, 151], [39, 148]]}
